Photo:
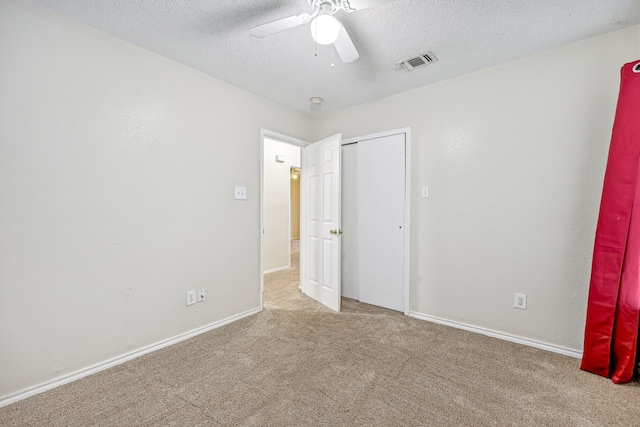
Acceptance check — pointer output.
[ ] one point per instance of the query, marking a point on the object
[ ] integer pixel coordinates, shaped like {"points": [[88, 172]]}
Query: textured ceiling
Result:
{"points": [[465, 35]]}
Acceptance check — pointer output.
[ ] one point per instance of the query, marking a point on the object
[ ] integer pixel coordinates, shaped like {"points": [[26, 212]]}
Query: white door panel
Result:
{"points": [[381, 221], [321, 177]]}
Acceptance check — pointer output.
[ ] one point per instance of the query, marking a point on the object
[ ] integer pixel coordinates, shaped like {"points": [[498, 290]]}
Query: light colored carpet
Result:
{"points": [[299, 364]]}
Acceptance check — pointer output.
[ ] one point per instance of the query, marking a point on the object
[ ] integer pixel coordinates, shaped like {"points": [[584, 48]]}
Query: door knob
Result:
{"points": [[335, 232]]}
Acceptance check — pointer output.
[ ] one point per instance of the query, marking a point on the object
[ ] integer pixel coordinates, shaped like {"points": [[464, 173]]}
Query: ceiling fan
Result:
{"points": [[325, 29]]}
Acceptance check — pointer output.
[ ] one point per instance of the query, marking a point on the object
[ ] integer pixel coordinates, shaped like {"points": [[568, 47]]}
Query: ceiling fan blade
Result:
{"points": [[345, 47], [363, 4], [279, 25]]}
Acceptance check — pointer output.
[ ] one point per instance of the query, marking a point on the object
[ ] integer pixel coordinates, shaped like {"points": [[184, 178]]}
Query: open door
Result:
{"points": [[321, 180]]}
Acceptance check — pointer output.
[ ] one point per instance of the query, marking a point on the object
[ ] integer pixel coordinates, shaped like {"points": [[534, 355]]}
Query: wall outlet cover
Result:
{"points": [[191, 297], [520, 301]]}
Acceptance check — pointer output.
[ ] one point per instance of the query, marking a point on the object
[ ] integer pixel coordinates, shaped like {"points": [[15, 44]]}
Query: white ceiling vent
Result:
{"points": [[418, 61]]}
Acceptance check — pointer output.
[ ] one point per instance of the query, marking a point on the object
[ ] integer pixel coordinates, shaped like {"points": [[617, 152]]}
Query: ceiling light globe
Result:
{"points": [[325, 29]]}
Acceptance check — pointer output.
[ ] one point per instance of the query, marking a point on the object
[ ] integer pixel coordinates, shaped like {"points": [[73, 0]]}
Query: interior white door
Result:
{"points": [[381, 221], [321, 173]]}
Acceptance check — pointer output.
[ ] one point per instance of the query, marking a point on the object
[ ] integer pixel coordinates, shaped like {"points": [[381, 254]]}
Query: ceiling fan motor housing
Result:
{"points": [[319, 5]]}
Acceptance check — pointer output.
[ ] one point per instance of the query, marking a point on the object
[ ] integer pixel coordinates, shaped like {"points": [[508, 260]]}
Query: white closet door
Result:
{"points": [[381, 216]]}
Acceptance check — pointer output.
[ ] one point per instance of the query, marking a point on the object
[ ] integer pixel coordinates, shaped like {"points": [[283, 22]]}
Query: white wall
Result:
{"points": [[117, 175], [277, 196], [514, 156]]}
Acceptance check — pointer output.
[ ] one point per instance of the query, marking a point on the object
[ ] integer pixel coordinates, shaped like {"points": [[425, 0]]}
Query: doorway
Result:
{"points": [[294, 197], [280, 166]]}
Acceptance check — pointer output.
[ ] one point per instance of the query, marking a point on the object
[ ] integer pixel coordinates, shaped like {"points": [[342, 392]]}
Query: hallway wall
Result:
{"points": [[277, 203]]}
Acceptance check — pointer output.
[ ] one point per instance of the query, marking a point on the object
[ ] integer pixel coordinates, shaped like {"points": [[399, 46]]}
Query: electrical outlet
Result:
{"points": [[191, 297], [201, 295], [520, 301]]}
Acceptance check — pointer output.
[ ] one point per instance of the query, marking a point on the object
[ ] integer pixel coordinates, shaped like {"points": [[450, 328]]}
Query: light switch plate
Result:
{"points": [[425, 192], [241, 193]]}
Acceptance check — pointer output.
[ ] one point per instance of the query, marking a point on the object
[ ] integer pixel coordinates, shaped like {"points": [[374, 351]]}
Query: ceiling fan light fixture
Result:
{"points": [[325, 28]]}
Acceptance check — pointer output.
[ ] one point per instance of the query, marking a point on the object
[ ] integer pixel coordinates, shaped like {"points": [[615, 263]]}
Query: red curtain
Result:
{"points": [[611, 331]]}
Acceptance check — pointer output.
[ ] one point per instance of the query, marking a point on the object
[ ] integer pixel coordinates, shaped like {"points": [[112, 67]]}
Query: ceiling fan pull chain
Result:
{"points": [[332, 63], [315, 23]]}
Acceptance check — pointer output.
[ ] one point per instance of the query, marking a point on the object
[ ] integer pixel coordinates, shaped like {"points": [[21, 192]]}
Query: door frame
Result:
{"points": [[265, 133], [301, 143], [407, 200]]}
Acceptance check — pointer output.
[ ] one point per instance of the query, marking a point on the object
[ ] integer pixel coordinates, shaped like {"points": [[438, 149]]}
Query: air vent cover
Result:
{"points": [[418, 61]]}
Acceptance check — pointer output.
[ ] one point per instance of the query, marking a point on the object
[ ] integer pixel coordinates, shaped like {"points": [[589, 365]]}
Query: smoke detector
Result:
{"points": [[316, 100], [418, 61]]}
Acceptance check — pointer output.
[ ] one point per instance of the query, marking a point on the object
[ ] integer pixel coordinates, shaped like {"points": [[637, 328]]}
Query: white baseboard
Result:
{"points": [[500, 335], [65, 379], [273, 270]]}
